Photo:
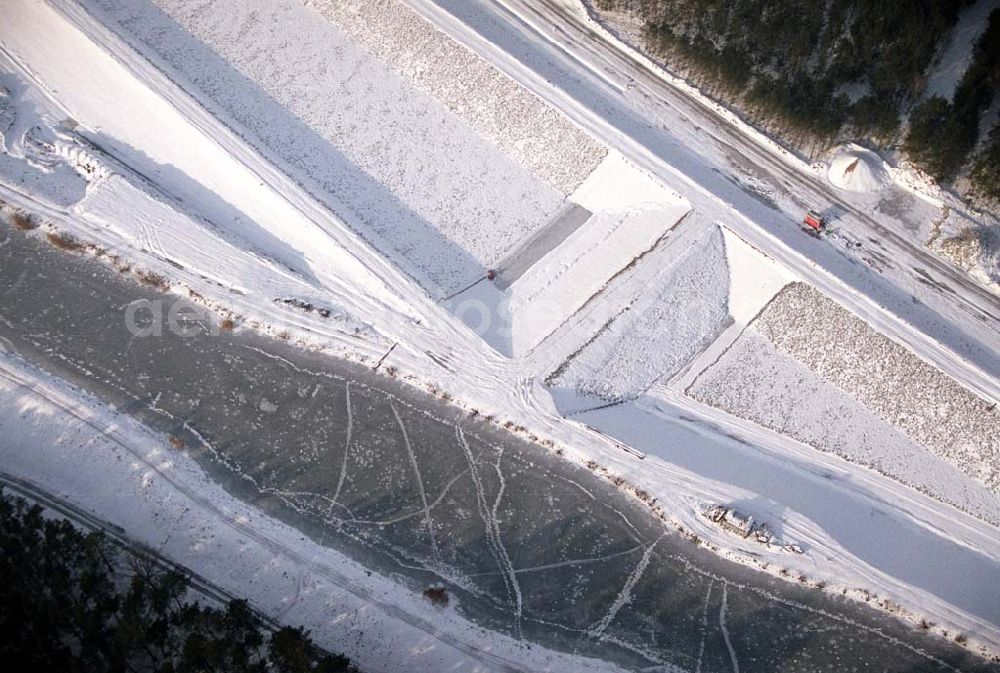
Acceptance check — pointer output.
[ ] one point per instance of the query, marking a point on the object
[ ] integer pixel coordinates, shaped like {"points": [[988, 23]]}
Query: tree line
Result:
{"points": [[818, 73], [943, 133], [75, 602]]}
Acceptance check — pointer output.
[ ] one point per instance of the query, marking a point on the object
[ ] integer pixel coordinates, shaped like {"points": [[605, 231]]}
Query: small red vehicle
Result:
{"points": [[814, 221]]}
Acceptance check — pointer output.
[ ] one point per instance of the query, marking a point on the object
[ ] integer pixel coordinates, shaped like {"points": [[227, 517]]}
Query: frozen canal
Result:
{"points": [[412, 487]]}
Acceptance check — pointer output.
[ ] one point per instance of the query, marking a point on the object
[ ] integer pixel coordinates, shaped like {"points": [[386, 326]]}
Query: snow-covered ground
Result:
{"points": [[496, 106], [626, 214], [675, 318], [952, 62], [218, 188], [411, 177]]}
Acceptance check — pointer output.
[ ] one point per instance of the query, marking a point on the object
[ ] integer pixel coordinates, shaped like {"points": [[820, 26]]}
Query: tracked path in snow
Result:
{"points": [[725, 631], [428, 521]]}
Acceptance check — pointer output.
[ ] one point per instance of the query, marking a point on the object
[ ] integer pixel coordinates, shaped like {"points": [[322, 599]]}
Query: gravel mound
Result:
{"points": [[518, 122], [923, 402]]}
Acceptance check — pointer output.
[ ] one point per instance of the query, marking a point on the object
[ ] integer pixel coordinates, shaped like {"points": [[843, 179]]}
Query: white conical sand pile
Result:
{"points": [[858, 170]]}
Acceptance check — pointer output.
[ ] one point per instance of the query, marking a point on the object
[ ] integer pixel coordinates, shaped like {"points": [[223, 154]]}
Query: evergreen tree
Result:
{"points": [[985, 174], [64, 607]]}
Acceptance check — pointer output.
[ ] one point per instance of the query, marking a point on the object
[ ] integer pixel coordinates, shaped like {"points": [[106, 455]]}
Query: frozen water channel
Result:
{"points": [[527, 543]]}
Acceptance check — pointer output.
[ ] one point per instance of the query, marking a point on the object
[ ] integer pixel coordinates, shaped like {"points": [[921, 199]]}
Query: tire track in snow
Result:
{"points": [[579, 562], [518, 598], [489, 516], [347, 446], [420, 483], [725, 631], [625, 595], [404, 517], [568, 563], [704, 625]]}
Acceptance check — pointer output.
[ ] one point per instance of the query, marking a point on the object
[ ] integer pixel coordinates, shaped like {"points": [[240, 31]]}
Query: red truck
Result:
{"points": [[814, 221]]}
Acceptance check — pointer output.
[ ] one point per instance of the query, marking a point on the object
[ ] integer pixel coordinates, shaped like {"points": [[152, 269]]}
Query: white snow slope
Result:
{"points": [[412, 178], [757, 381], [919, 400], [676, 317]]}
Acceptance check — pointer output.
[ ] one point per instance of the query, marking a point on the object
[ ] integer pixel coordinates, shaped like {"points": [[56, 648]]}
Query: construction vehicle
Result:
{"points": [[743, 525], [730, 520], [814, 221]]}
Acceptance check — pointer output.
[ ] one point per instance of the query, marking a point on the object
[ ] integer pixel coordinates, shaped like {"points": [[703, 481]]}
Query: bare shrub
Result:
{"points": [[437, 596], [64, 241], [23, 221], [152, 279]]}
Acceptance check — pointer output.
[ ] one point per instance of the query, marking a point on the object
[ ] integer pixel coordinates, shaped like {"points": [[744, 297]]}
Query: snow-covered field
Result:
{"points": [[411, 177], [496, 106], [28, 158], [174, 146]]}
